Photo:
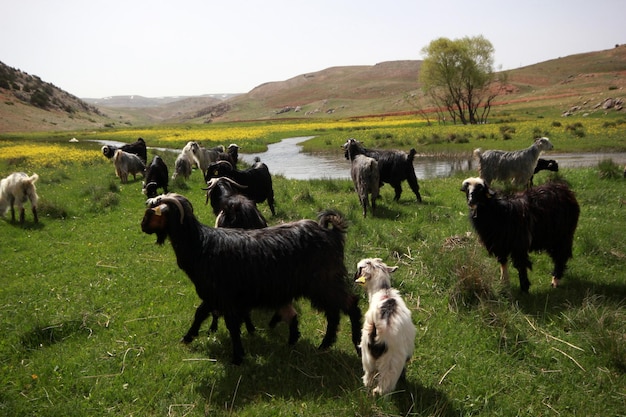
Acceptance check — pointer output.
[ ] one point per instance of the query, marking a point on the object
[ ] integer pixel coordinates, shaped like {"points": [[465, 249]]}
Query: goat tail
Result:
{"points": [[412, 153], [33, 178], [333, 217]]}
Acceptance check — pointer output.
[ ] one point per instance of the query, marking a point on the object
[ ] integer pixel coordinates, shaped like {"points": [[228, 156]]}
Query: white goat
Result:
{"points": [[366, 179], [128, 163], [388, 336], [17, 188], [516, 166], [182, 166]]}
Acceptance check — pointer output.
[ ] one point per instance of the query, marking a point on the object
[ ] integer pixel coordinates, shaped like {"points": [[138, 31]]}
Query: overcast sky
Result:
{"points": [[154, 48]]}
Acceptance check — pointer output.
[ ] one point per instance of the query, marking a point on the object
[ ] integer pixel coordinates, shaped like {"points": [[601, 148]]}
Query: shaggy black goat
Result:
{"points": [[544, 165], [157, 176], [236, 270], [540, 218], [256, 179], [231, 154], [138, 148], [393, 166]]}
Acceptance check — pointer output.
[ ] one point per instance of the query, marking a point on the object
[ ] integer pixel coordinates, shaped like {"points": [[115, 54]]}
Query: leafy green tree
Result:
{"points": [[458, 76]]}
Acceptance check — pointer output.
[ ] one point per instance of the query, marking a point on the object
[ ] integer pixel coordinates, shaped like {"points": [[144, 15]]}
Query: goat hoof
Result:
{"points": [[186, 339]]}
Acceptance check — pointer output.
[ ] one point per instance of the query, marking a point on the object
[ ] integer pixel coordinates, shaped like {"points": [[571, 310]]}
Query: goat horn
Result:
{"points": [[170, 198]]}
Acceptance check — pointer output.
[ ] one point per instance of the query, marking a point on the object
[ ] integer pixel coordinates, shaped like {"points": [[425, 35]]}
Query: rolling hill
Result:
{"points": [[579, 82]]}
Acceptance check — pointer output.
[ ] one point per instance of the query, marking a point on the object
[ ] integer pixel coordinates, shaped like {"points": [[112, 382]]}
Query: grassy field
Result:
{"points": [[93, 311]]}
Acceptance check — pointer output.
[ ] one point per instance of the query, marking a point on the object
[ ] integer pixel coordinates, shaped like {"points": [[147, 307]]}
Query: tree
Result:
{"points": [[458, 76]]}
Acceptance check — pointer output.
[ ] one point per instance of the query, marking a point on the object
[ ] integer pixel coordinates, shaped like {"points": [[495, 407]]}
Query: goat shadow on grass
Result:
{"points": [[272, 369], [48, 335], [27, 225], [573, 291]]}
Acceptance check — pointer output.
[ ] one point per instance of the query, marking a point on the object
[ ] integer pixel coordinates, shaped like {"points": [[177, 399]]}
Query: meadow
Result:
{"points": [[93, 311]]}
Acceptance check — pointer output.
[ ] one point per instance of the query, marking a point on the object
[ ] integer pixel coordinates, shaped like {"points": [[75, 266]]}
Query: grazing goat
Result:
{"points": [[182, 166], [236, 270], [393, 166], [538, 219], [157, 176], [366, 179], [18, 188], [388, 336], [516, 166], [544, 165], [138, 148], [234, 210], [203, 156], [256, 179], [231, 155], [128, 163]]}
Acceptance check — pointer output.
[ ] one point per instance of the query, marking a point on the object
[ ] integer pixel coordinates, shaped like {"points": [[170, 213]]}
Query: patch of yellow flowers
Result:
{"points": [[49, 155]]}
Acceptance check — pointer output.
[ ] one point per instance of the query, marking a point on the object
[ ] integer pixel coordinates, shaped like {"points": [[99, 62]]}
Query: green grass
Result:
{"points": [[92, 311]]}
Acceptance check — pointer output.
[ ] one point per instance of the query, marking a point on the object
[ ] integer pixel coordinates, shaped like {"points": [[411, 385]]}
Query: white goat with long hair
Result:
{"points": [[18, 188], [388, 336], [516, 166]]}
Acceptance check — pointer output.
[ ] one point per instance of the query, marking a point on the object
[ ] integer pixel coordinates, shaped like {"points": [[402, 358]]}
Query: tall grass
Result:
{"points": [[92, 311]]}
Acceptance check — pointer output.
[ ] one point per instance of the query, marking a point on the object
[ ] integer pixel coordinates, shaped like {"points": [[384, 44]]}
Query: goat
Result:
{"points": [[388, 336], [256, 179], [157, 176], [231, 155], [393, 166], [204, 156], [182, 166], [366, 179], [138, 148], [128, 163], [235, 210], [540, 218], [18, 188], [544, 165], [236, 270], [516, 166]]}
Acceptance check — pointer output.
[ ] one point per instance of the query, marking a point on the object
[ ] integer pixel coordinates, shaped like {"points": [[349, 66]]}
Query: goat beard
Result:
{"points": [[161, 236]]}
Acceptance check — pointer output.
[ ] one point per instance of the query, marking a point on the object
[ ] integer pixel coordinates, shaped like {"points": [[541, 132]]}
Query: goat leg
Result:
{"points": [[202, 312]]}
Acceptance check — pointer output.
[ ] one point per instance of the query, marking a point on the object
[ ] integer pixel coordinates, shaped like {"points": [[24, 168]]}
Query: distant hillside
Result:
{"points": [[576, 83], [28, 103]]}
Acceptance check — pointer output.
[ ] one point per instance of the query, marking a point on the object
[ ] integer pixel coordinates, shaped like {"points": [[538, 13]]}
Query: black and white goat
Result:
{"points": [[388, 336], [138, 148], [18, 188], [157, 176], [542, 218], [256, 179], [515, 166], [236, 270], [366, 179], [393, 166], [544, 165], [128, 164], [182, 167]]}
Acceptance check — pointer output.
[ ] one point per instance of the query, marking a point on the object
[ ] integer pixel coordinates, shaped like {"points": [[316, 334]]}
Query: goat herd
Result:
{"points": [[241, 264]]}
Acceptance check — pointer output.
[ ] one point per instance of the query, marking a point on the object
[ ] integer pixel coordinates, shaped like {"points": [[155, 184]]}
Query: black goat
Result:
{"points": [[236, 270], [256, 179], [157, 176], [394, 166], [138, 148], [540, 218], [231, 155], [544, 165]]}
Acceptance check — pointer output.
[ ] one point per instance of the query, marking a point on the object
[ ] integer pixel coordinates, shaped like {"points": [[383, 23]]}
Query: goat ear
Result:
{"points": [[464, 186]]}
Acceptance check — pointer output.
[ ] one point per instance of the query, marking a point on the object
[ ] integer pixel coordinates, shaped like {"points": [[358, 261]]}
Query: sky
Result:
{"points": [[155, 48]]}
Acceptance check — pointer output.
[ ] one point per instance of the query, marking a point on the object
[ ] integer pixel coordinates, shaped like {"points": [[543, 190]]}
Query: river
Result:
{"points": [[286, 158]]}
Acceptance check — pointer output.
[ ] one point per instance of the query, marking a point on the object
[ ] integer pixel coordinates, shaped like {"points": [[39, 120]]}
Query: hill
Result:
{"points": [[28, 103], [576, 83]]}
